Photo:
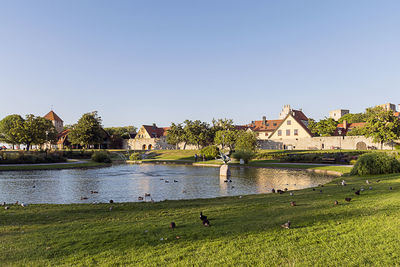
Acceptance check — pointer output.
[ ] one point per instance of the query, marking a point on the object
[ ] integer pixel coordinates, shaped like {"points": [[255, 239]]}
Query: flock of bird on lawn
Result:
{"points": [[204, 219]]}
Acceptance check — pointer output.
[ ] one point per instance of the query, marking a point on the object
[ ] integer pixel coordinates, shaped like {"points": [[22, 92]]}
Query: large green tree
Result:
{"points": [[197, 133], [124, 132], [326, 127], [312, 126], [35, 131], [353, 117], [226, 138], [382, 125], [246, 141], [9, 129], [176, 135], [87, 131]]}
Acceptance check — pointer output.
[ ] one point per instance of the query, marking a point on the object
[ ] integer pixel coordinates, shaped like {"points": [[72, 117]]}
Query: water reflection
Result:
{"points": [[125, 183]]}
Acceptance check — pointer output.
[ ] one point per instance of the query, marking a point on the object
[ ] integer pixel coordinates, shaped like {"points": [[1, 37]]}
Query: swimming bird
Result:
{"points": [[161, 179], [202, 217], [166, 181], [175, 181], [225, 181], [357, 192], [206, 223], [336, 202], [84, 198], [111, 201], [172, 225], [292, 203], [146, 194], [348, 199], [286, 225], [94, 192], [140, 198]]}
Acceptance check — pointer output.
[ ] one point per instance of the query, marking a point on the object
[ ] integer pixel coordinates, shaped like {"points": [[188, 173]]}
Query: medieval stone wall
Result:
{"points": [[329, 142], [153, 144]]}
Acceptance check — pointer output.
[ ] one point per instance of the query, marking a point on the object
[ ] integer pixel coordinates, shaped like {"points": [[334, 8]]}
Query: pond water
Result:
{"points": [[125, 183]]}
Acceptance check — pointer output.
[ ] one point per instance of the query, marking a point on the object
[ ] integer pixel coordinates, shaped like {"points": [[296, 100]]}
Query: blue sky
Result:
{"points": [[139, 62]]}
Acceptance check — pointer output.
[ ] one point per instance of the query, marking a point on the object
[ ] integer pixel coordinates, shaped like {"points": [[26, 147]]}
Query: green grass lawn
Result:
{"points": [[245, 231]]}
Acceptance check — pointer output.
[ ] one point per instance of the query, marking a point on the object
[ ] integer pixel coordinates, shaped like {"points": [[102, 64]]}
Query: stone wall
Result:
{"points": [[153, 144], [329, 142]]}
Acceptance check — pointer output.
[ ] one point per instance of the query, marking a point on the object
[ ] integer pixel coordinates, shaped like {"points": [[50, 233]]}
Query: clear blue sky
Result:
{"points": [[139, 62]]}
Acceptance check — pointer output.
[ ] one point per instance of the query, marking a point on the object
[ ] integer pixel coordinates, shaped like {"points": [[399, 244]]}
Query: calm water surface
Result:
{"points": [[125, 183]]}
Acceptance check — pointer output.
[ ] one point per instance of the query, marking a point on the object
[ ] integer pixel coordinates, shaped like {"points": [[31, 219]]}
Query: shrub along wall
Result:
{"points": [[376, 163], [31, 157]]}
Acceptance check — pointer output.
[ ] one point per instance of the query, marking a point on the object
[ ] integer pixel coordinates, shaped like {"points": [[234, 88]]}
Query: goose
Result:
{"points": [[367, 181], [292, 203], [286, 225], [225, 181], [140, 198], [336, 202], [94, 192], [6, 207], [175, 181], [24, 205], [111, 201], [84, 198], [273, 190], [206, 223], [146, 194], [357, 192], [172, 225], [202, 217], [343, 183], [348, 199], [166, 181], [285, 189]]}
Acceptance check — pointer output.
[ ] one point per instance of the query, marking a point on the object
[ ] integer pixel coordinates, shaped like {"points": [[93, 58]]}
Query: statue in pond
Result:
{"points": [[224, 170]]}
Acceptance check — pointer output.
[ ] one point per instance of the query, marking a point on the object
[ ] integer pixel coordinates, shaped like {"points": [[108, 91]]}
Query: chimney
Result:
{"points": [[154, 125], [264, 120], [345, 124]]}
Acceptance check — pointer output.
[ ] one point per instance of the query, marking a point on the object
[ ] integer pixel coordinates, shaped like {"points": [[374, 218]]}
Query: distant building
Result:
{"points": [[388, 106], [57, 121], [150, 137], [338, 113], [343, 128]]}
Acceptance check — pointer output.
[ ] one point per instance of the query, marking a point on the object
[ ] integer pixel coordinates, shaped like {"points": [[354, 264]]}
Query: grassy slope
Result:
{"points": [[245, 231]]}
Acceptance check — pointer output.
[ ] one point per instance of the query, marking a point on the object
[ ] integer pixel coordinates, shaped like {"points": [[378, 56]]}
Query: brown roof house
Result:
{"points": [[150, 137]]}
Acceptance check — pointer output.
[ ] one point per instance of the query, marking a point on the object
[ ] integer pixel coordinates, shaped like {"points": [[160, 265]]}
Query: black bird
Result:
{"points": [[166, 181], [206, 223], [348, 199], [357, 192], [111, 201], [336, 202], [313, 189], [285, 189], [378, 181], [202, 217], [172, 225], [280, 191], [175, 181], [353, 189], [390, 188], [320, 191], [286, 225], [273, 190], [292, 203]]}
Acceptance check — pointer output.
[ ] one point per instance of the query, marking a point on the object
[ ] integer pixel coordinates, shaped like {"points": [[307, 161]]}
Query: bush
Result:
{"points": [[246, 155], [135, 156], [210, 152], [102, 157], [31, 157], [375, 163]]}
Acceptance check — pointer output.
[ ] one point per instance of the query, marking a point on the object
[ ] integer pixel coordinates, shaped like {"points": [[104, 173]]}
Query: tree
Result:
{"points": [[246, 141], [326, 127], [382, 125], [353, 118], [197, 133], [176, 135], [124, 132], [312, 126], [226, 138], [8, 129], [35, 131], [87, 131]]}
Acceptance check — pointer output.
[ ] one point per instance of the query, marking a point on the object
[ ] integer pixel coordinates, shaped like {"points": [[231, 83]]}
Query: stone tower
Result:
{"points": [[57, 122]]}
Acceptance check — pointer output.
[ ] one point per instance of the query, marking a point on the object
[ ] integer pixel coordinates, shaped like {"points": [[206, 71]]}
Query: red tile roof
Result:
{"points": [[350, 126], [269, 126], [52, 116], [397, 114], [298, 114], [155, 131]]}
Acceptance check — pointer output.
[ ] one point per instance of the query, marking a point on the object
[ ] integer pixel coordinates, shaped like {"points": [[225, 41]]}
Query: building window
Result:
{"points": [[296, 132], [279, 132], [287, 132], [274, 123], [289, 122], [266, 134]]}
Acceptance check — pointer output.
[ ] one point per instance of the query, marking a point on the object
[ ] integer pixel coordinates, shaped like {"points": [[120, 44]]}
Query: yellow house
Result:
{"points": [[291, 127]]}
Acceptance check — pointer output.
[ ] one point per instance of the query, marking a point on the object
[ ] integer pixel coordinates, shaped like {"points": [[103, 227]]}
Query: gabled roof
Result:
{"points": [[52, 116], [298, 114], [297, 120], [156, 132], [270, 125]]}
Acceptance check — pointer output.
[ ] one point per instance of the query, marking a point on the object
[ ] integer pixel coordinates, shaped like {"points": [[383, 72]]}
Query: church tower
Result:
{"points": [[57, 122]]}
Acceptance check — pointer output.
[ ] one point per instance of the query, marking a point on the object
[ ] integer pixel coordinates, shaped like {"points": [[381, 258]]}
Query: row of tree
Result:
{"points": [[381, 125], [201, 134]]}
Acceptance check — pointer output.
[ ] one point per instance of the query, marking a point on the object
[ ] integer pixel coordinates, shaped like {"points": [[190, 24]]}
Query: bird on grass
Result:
{"points": [[367, 181], [390, 188], [378, 181], [336, 202], [172, 225], [343, 182], [202, 217], [292, 203], [370, 188], [6, 207], [357, 192], [273, 190], [206, 223], [320, 191], [348, 199], [313, 189], [291, 193], [286, 225]]}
